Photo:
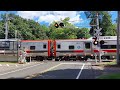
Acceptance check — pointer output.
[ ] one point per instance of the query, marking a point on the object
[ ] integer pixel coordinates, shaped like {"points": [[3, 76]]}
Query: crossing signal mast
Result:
{"points": [[97, 33]]}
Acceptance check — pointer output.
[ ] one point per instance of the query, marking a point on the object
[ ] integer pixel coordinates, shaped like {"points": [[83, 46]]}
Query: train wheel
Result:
{"points": [[56, 59]]}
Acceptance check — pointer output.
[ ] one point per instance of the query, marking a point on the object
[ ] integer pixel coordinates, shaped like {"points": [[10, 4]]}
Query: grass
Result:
{"points": [[110, 76], [112, 64], [12, 62], [108, 64]]}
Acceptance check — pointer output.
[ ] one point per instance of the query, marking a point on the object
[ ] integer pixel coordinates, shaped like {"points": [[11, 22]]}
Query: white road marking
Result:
{"points": [[7, 64], [80, 72], [0, 65], [16, 65], [19, 69]]}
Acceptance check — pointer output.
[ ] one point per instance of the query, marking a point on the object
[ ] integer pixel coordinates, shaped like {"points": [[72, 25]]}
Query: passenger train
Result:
{"points": [[68, 49]]}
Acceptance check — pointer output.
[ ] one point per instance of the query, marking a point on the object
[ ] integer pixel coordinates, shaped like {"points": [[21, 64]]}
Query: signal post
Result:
{"points": [[118, 39]]}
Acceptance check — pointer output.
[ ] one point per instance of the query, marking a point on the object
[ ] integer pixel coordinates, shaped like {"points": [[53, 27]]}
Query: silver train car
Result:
{"points": [[37, 49], [9, 49], [84, 49], [72, 49]]}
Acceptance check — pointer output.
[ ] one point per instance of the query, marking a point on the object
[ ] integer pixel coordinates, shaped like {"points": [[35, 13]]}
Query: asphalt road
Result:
{"points": [[52, 70]]}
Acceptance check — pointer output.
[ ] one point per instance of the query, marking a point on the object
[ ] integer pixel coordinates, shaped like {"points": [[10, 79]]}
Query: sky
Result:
{"points": [[77, 18]]}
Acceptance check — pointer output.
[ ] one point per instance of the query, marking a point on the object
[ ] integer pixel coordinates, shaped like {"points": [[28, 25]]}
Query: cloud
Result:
{"points": [[50, 16]]}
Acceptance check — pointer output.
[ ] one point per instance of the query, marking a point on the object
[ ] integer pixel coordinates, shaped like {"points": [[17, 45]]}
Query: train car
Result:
{"points": [[84, 49], [108, 49], [9, 49], [37, 49], [72, 49]]}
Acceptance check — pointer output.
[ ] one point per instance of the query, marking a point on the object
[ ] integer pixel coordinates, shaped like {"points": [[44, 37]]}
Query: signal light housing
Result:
{"points": [[95, 42], [102, 42], [61, 24], [56, 25]]}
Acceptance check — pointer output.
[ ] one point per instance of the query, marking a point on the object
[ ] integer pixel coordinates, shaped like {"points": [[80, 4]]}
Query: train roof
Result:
{"points": [[105, 38], [34, 40], [8, 39], [71, 39]]}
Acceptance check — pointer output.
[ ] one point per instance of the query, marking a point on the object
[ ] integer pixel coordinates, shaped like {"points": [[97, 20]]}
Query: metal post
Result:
{"points": [[118, 31], [15, 34], [30, 58], [97, 22], [95, 58], [6, 26]]}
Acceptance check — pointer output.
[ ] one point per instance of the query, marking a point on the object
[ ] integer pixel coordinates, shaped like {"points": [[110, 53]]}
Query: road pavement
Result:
{"points": [[51, 70]]}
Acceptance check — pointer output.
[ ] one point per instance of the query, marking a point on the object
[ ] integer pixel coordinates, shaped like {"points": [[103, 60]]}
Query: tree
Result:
{"points": [[2, 35], [28, 29], [105, 21], [106, 25], [67, 32], [83, 33]]}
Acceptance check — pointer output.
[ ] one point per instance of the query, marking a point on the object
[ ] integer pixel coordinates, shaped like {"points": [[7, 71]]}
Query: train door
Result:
{"points": [[88, 49], [50, 49], [54, 48]]}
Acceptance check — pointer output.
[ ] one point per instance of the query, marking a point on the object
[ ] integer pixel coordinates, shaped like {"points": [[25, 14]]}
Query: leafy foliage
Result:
{"points": [[29, 29], [105, 22]]}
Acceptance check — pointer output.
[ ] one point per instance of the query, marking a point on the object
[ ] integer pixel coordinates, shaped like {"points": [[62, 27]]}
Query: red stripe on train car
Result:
{"points": [[78, 51], [48, 48], [110, 50], [96, 51], [105, 50], [27, 51]]}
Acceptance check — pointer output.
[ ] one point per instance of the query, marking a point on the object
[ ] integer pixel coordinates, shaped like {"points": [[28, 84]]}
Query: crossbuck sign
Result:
{"points": [[98, 33]]}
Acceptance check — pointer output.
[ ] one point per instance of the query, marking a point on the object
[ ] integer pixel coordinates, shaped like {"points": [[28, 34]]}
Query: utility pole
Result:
{"points": [[6, 26], [118, 38], [97, 22]]}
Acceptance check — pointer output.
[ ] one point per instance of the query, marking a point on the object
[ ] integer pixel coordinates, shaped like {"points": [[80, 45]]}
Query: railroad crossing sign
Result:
{"points": [[98, 33]]}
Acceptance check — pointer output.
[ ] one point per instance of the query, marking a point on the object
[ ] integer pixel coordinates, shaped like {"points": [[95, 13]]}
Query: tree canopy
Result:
{"points": [[30, 30], [105, 22]]}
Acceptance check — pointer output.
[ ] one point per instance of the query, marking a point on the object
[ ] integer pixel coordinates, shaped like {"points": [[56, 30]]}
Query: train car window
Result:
{"points": [[108, 46], [71, 47], [32, 47], [87, 45], [58, 46], [113, 46], [44, 46], [4, 45], [104, 46]]}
